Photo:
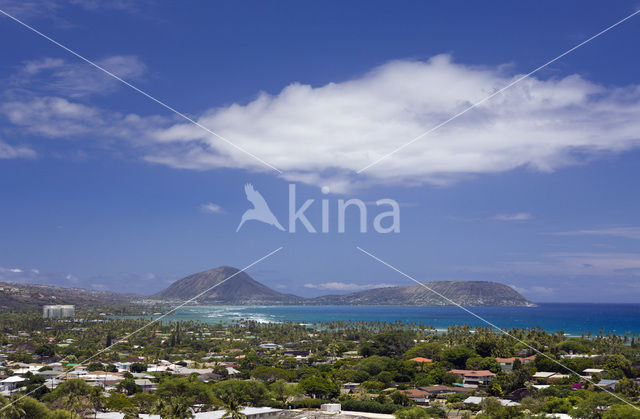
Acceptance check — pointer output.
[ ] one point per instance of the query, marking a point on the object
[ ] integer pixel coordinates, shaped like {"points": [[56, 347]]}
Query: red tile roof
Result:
{"points": [[473, 373], [420, 359]]}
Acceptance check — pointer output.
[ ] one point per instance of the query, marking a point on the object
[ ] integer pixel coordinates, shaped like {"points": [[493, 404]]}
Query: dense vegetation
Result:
{"points": [[375, 355]]}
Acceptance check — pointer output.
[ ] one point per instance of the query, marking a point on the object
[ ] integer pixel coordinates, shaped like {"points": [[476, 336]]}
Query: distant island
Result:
{"points": [[244, 290]]}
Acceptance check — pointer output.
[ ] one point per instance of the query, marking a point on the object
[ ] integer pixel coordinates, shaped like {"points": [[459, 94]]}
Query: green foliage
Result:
{"points": [[392, 343], [319, 387], [458, 356], [426, 350], [369, 406], [628, 388], [192, 390], [128, 386], [138, 367], [45, 349], [592, 406], [412, 413], [248, 393], [479, 363], [622, 411], [271, 374], [95, 366], [618, 366], [492, 408]]}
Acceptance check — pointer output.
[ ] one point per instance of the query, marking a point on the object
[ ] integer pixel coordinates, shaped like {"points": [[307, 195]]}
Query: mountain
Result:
{"points": [[466, 293], [244, 290], [241, 289], [23, 295]]}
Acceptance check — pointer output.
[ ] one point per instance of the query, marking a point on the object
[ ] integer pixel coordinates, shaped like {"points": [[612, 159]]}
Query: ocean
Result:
{"points": [[572, 318]]}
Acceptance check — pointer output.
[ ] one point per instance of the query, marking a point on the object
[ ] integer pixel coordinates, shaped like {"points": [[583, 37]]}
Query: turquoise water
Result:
{"points": [[573, 318]]}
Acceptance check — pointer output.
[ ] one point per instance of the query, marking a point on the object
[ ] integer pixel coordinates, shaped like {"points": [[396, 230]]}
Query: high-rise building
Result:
{"points": [[58, 311]]}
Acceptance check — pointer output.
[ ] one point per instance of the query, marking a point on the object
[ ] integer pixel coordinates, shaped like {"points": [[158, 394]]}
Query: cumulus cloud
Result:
{"points": [[346, 286], [322, 135], [211, 208], [519, 216]]}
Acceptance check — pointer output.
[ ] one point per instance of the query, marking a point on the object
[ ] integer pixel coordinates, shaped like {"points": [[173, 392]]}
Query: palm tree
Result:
{"points": [[10, 409], [175, 408], [233, 409], [75, 404]]}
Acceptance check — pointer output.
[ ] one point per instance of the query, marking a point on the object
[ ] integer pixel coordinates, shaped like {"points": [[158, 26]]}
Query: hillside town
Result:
{"points": [[81, 366]]}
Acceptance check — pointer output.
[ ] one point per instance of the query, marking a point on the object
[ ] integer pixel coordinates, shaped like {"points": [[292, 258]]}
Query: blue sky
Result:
{"points": [[537, 188]]}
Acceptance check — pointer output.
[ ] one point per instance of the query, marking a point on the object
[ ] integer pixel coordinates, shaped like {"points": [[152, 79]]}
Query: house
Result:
{"points": [[440, 389], [607, 384], [417, 395], [590, 371], [549, 376], [350, 388], [270, 346], [9, 384], [297, 354], [474, 378], [146, 385], [507, 363], [478, 400]]}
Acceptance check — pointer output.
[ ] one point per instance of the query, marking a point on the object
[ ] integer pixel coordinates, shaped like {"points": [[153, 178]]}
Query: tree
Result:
{"points": [[95, 366], [458, 356], [76, 404], [97, 399], [249, 392], [281, 390], [618, 366], [45, 349], [622, 411], [319, 387], [393, 343], [128, 386], [137, 367], [233, 409], [593, 406], [173, 408], [628, 388], [10, 409], [190, 389]]}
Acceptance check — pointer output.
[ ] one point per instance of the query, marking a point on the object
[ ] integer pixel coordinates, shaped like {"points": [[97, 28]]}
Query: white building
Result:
{"points": [[58, 311]]}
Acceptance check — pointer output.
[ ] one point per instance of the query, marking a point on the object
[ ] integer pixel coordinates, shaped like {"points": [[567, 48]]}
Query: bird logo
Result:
{"points": [[260, 210]]}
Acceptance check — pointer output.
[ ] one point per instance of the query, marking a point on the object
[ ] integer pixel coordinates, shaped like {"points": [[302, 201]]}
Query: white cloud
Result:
{"points": [[626, 232], [15, 270], [211, 208], [57, 117], [346, 286], [321, 135], [76, 79], [10, 152], [54, 9], [519, 216]]}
